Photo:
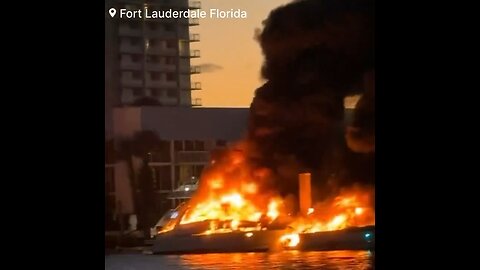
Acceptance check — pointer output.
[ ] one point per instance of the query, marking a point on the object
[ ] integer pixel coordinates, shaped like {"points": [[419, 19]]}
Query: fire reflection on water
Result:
{"points": [[292, 259]]}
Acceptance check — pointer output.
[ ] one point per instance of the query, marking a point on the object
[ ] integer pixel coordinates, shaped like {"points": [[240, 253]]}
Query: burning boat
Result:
{"points": [[233, 224], [316, 54]]}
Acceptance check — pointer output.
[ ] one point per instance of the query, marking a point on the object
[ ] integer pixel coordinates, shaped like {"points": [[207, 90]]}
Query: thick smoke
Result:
{"points": [[317, 52], [361, 134]]}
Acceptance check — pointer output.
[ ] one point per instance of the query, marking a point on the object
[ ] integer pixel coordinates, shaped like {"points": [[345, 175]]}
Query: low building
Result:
{"points": [[188, 137]]}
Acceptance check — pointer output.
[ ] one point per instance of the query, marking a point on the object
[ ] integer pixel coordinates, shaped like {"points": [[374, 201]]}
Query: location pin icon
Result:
{"points": [[112, 12]]}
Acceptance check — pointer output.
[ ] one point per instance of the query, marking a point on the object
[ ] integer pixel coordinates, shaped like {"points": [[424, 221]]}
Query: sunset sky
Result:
{"points": [[230, 56]]}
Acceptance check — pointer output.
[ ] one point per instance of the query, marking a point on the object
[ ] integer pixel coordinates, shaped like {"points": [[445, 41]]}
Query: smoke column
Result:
{"points": [[316, 52]]}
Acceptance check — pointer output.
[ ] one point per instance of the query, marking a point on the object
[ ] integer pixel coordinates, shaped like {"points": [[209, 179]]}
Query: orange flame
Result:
{"points": [[290, 240], [233, 195]]}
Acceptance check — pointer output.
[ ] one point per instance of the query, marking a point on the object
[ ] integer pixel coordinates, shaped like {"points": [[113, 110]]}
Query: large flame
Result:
{"points": [[231, 197], [350, 208]]}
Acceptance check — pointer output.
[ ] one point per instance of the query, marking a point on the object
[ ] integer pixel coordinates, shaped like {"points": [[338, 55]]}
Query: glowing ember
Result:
{"points": [[290, 240], [310, 211], [249, 234], [358, 211]]}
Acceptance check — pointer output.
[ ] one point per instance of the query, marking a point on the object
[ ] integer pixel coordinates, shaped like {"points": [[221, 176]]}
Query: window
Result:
{"points": [[178, 145], [153, 59], [134, 41], [199, 146], [136, 75], [188, 174], [161, 152], [197, 170], [171, 61], [136, 58], [156, 92], [171, 92], [171, 44], [155, 76], [137, 92], [189, 146], [163, 177], [177, 175], [221, 143], [171, 76]]}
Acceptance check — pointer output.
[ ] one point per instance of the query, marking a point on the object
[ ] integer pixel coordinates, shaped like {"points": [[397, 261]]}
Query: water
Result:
{"points": [[295, 260]]}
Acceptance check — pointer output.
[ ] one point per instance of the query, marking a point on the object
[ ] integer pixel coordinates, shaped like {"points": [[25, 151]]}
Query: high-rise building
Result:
{"points": [[148, 60]]}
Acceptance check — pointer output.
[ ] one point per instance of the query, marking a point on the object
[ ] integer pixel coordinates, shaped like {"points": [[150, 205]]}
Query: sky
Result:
{"points": [[231, 58]]}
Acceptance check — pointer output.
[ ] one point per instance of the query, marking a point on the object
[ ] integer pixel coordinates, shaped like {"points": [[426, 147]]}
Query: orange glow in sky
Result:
{"points": [[228, 45]]}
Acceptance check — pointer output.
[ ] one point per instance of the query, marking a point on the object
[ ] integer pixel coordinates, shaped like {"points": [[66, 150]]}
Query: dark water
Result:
{"points": [[358, 260]]}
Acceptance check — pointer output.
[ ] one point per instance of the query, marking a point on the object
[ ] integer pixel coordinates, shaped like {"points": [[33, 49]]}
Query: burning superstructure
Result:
{"points": [[218, 213], [232, 223]]}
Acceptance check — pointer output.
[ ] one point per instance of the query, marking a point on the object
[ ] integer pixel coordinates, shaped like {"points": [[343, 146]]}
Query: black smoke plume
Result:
{"points": [[316, 52]]}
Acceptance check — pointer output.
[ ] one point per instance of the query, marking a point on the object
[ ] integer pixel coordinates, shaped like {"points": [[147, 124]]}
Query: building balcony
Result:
{"points": [[196, 86], [161, 84], [195, 70], [127, 48], [190, 70], [160, 67], [195, 5], [160, 34], [191, 54], [129, 65], [162, 51], [194, 38], [193, 21], [193, 86], [130, 82], [196, 102], [192, 157]]}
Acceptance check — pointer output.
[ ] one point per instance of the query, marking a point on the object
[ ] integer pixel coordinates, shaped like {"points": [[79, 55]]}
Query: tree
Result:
{"points": [[139, 146]]}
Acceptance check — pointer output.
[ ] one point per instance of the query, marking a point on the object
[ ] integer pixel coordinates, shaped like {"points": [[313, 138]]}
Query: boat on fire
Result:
{"points": [[214, 236]]}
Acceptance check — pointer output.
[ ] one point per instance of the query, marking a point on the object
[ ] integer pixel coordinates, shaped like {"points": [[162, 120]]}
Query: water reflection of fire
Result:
{"points": [[230, 200]]}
